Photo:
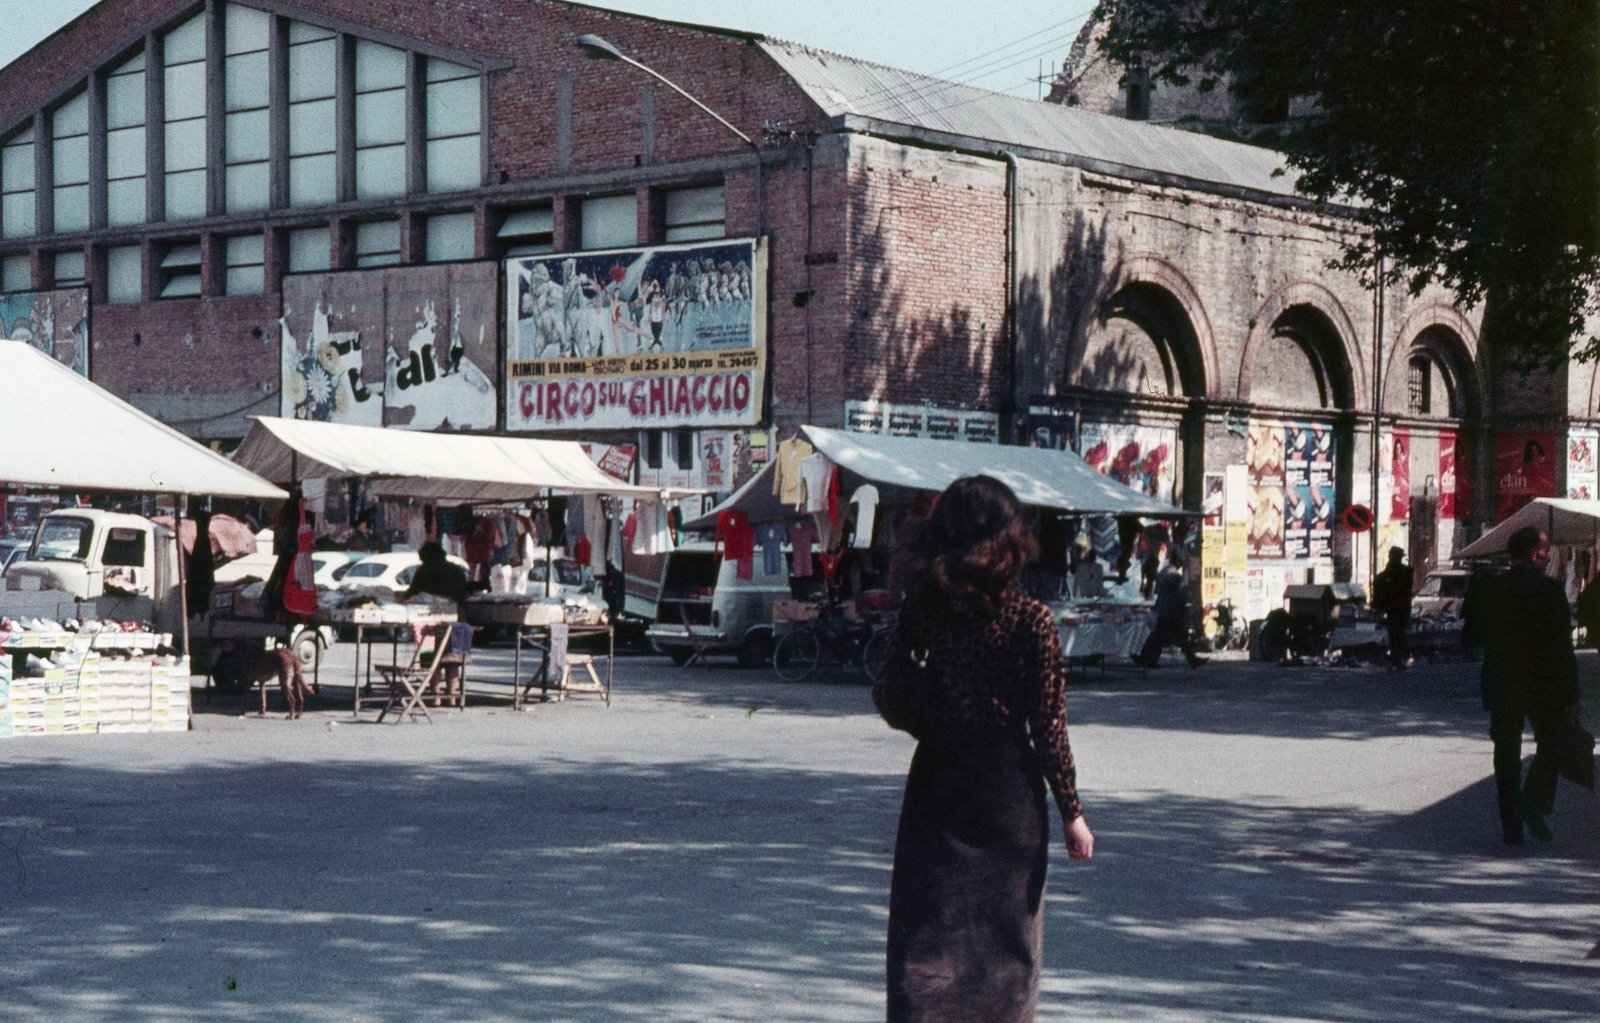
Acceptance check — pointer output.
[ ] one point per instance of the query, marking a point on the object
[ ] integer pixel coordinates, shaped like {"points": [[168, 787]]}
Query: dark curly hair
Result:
{"points": [[964, 554]]}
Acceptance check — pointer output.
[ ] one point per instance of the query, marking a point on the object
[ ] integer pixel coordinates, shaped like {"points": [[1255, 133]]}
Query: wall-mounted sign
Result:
{"points": [[673, 335]]}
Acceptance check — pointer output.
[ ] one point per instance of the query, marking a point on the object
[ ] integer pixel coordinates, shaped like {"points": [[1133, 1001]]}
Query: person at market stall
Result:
{"points": [[1172, 614], [1391, 597], [974, 672], [361, 538], [436, 575]]}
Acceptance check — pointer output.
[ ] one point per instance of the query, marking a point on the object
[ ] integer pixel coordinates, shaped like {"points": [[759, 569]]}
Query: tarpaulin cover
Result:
{"points": [[1567, 523], [65, 431], [428, 466], [1040, 477]]}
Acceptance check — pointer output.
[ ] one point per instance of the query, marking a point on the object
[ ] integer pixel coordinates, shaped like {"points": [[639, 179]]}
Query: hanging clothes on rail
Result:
{"points": [[786, 480]]}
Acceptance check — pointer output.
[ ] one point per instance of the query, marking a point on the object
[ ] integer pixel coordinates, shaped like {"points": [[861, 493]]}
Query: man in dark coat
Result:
{"points": [[1391, 597], [1172, 608], [1529, 674]]}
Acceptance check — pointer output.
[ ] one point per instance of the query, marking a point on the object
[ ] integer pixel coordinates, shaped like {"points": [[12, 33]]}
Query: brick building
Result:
{"points": [[227, 179]]}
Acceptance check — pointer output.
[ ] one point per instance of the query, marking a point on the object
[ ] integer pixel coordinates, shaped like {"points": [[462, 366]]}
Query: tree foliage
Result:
{"points": [[1466, 132]]}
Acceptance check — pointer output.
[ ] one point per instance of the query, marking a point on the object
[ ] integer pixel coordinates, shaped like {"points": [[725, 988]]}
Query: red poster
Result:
{"points": [[1400, 508], [1523, 469], [1447, 475]]}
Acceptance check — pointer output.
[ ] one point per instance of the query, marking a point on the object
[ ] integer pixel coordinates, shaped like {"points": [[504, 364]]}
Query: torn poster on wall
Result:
{"points": [[55, 322], [410, 347]]}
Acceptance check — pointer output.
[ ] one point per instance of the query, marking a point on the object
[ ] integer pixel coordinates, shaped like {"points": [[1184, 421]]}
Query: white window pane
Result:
{"points": [[300, 32], [183, 286], [181, 256], [248, 136], [695, 206], [133, 64], [71, 117], [379, 67], [16, 274], [186, 42], [72, 208], [309, 250], [186, 195], [695, 232], [125, 153], [378, 237], [71, 164], [247, 86], [125, 101], [185, 92], [16, 168], [17, 219], [249, 187], [311, 128], [453, 108], [311, 71], [68, 268], [123, 274], [454, 164], [244, 28], [381, 172], [381, 118], [611, 222], [186, 145], [521, 222], [451, 237], [245, 280], [530, 250], [246, 250], [312, 181], [443, 70], [125, 202]]}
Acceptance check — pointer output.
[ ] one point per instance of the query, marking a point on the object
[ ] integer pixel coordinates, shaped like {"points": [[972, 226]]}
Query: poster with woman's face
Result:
{"points": [[1523, 469]]}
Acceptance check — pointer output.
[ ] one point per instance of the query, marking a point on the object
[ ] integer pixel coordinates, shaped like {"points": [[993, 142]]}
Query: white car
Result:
{"points": [[392, 572]]}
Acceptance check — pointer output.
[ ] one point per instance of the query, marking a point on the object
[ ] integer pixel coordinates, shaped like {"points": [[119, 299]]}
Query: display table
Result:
{"points": [[366, 630], [538, 637], [1116, 631]]}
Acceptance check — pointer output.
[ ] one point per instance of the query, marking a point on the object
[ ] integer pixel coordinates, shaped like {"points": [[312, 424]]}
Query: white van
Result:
{"points": [[703, 604]]}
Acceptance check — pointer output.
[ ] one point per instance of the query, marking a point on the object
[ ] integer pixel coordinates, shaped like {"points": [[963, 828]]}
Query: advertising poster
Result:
{"points": [[1236, 518], [1447, 475], [926, 421], [409, 347], [1052, 423], [1581, 474], [1400, 476], [1140, 456], [1321, 468], [1297, 515], [1264, 467], [1213, 502], [1523, 469], [716, 459], [55, 322], [1213, 538], [672, 335]]}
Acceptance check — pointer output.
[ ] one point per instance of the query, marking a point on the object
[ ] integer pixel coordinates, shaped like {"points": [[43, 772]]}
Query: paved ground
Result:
{"points": [[1275, 845]]}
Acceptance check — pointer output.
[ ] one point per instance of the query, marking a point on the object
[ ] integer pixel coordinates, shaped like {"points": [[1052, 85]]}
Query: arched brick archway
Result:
{"points": [[1448, 337], [1313, 317], [1155, 298]]}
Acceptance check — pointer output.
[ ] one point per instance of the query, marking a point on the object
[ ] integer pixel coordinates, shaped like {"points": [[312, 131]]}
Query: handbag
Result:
{"points": [[1574, 750], [904, 693]]}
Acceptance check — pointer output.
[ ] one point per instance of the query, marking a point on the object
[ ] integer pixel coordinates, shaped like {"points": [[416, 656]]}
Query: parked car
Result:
{"points": [[1442, 592], [391, 572], [12, 551], [702, 592]]}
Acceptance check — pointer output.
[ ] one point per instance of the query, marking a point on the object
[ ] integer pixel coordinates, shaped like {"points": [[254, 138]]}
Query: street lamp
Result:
{"points": [[596, 48]]}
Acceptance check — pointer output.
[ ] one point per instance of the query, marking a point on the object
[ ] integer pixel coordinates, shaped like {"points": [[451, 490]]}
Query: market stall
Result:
{"points": [[846, 492], [493, 475], [1567, 523], [78, 664]]}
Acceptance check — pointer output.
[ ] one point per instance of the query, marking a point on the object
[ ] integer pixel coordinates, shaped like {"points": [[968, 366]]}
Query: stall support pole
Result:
{"points": [[183, 594]]}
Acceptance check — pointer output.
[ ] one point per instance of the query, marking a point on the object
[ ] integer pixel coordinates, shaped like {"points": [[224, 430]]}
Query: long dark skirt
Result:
{"points": [[966, 921]]}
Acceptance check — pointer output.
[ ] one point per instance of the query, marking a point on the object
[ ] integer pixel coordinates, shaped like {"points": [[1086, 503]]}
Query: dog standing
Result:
{"points": [[243, 664]]}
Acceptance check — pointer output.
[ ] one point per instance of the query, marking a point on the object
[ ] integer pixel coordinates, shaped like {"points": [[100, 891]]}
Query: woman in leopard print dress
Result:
{"points": [[974, 673]]}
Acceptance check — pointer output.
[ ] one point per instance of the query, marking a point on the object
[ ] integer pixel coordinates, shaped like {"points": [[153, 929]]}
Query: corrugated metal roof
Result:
{"points": [[851, 88]]}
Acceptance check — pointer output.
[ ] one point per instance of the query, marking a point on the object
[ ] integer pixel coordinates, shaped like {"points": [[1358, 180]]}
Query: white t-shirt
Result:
{"points": [[866, 501], [816, 471]]}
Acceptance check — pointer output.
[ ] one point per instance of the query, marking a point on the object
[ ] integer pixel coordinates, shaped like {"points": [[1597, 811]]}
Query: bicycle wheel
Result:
{"points": [[875, 654], [796, 656]]}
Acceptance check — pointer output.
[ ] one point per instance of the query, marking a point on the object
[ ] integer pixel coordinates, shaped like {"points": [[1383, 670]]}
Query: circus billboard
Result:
{"points": [[664, 336]]}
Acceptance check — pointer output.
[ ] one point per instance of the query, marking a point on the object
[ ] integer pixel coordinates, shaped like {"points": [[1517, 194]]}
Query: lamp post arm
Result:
{"points": [[680, 91]]}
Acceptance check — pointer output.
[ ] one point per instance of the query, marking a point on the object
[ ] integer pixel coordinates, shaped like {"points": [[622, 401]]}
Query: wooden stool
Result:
{"points": [[566, 685]]}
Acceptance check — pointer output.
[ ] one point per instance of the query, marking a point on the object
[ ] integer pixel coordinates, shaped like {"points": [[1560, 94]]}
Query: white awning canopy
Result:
{"points": [[428, 466], [1039, 476], [1567, 523], [64, 431]]}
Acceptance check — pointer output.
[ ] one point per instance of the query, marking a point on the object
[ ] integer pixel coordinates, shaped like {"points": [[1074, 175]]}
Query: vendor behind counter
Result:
{"points": [[437, 576]]}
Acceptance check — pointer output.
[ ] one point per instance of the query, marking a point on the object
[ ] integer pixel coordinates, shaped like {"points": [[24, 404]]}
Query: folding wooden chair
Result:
{"points": [[409, 684]]}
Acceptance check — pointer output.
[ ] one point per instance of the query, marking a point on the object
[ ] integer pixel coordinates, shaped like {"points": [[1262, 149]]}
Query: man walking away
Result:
{"points": [[1172, 607], [1391, 597], [1529, 674]]}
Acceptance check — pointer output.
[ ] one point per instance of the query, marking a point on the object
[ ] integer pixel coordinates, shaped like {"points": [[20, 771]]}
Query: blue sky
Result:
{"points": [[998, 47]]}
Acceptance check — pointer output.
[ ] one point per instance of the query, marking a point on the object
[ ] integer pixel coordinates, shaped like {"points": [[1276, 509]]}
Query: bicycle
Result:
{"points": [[1231, 634], [831, 640]]}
